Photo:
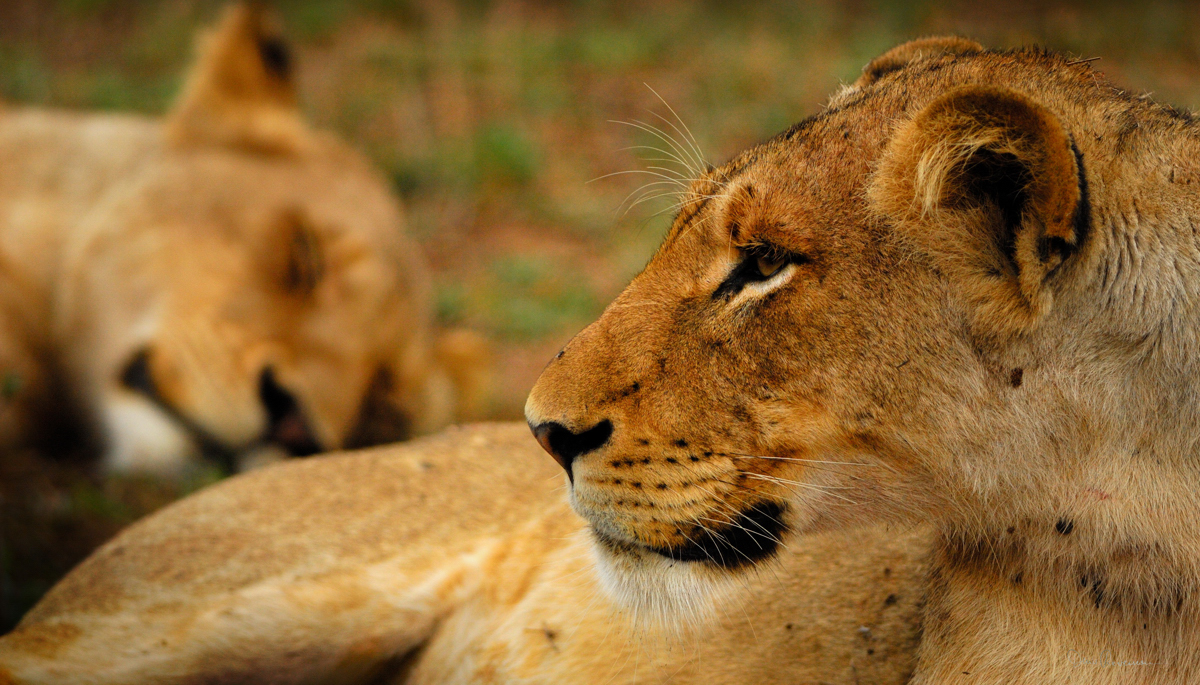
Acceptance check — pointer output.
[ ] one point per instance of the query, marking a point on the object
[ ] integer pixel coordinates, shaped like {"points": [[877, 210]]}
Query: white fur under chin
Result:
{"points": [[661, 592], [142, 439]]}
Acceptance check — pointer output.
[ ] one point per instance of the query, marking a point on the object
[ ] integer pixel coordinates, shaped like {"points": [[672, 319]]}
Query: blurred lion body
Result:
{"points": [[451, 559], [227, 280]]}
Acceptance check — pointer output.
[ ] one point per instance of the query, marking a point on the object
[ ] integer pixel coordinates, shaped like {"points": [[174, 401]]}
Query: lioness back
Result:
{"points": [[447, 560]]}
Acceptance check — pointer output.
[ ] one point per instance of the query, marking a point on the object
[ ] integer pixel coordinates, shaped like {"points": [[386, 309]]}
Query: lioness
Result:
{"points": [[967, 292], [219, 282]]}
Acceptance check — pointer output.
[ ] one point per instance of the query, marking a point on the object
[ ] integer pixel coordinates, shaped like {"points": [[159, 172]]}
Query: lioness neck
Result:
{"points": [[1087, 553], [1056, 619]]}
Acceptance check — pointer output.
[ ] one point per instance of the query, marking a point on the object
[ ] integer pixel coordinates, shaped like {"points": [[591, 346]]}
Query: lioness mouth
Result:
{"points": [[748, 538]]}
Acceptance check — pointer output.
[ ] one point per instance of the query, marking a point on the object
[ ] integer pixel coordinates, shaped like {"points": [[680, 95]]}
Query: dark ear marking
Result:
{"points": [[1062, 248], [1083, 210], [292, 255], [276, 57], [136, 375], [1004, 179], [380, 419], [306, 265]]}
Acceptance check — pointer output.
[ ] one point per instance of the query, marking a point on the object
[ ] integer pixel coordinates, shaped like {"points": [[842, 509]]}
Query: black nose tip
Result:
{"points": [[565, 446], [286, 425]]}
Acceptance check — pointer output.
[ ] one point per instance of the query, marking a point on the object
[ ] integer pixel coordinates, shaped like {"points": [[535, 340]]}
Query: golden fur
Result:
{"points": [[966, 293], [447, 560], [226, 281]]}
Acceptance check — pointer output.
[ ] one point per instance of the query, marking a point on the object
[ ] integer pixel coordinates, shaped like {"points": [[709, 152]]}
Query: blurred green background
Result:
{"points": [[493, 119]]}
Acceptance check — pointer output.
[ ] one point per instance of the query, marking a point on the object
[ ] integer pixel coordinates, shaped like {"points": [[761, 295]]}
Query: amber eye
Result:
{"points": [[759, 263], [767, 266]]}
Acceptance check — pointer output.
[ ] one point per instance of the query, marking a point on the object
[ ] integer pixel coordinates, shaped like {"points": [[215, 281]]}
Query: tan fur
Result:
{"points": [[914, 50], [921, 184], [227, 242], [23, 358], [448, 560], [238, 98], [982, 313]]}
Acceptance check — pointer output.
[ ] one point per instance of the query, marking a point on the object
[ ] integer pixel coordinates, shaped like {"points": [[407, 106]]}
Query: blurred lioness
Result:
{"points": [[227, 281]]}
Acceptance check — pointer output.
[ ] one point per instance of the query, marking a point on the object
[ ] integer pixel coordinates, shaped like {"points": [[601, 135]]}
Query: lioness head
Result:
{"points": [[251, 285], [897, 307]]}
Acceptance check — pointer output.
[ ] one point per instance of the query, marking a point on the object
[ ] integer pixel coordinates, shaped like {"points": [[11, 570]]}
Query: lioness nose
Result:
{"points": [[286, 425], [565, 446]]}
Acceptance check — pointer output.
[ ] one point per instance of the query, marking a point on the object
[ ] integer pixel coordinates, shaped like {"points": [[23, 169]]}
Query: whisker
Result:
{"points": [[654, 131], [828, 468], [627, 305], [639, 171], [691, 200], [717, 500], [740, 455], [654, 197], [744, 529], [685, 202], [644, 188], [796, 483], [811, 485], [661, 151], [672, 158], [684, 178], [697, 544], [695, 153], [679, 147], [678, 118]]}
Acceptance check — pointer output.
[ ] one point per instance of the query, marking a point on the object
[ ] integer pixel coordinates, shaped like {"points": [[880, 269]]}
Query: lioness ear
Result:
{"points": [[240, 92], [988, 182], [291, 254], [914, 50]]}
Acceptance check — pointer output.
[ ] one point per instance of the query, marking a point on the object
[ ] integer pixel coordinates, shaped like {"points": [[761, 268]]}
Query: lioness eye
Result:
{"points": [[759, 263], [767, 266]]}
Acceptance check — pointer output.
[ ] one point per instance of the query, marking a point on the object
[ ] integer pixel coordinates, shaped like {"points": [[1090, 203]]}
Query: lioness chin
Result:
{"points": [[226, 282], [966, 293]]}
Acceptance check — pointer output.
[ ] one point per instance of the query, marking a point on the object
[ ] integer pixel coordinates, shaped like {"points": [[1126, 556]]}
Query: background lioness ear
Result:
{"points": [[988, 182], [240, 92]]}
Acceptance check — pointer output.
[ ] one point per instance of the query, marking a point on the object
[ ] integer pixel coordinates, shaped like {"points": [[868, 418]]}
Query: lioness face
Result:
{"points": [[746, 382], [228, 302], [812, 345], [249, 289]]}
